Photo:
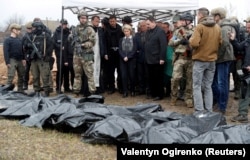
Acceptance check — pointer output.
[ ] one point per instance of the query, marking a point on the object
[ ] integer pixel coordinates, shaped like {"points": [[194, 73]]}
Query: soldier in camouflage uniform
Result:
{"points": [[83, 42], [182, 59]]}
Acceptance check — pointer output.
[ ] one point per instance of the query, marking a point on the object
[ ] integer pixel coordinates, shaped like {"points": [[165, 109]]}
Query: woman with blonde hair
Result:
{"points": [[127, 51]]}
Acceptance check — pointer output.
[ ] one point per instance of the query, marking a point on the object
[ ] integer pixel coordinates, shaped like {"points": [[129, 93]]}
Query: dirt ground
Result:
{"points": [[117, 99]]}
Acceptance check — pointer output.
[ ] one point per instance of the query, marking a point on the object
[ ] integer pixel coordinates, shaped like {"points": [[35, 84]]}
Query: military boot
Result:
{"points": [[46, 93], [236, 94], [240, 118], [189, 104], [76, 95], [173, 101], [25, 86]]}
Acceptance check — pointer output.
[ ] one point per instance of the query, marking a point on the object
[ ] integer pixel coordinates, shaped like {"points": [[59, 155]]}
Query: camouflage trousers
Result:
{"points": [[16, 65], [182, 67], [40, 68], [82, 66]]}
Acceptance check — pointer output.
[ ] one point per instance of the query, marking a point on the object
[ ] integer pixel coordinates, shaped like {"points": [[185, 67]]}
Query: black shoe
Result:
{"points": [[141, 92], [46, 93], [86, 94], [25, 87], [51, 90], [111, 91], [157, 98], [120, 91], [149, 97], [132, 94], [59, 92], [125, 95], [67, 90], [240, 118]]}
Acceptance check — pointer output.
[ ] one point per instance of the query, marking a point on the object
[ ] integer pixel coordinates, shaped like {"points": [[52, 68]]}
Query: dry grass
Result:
{"points": [[18, 142]]}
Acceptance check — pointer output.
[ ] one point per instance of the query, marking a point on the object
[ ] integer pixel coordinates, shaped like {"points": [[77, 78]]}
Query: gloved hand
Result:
{"points": [[184, 41]]}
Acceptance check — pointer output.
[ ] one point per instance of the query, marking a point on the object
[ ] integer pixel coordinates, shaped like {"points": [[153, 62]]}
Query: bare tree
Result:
{"points": [[1, 28], [19, 19], [230, 9]]}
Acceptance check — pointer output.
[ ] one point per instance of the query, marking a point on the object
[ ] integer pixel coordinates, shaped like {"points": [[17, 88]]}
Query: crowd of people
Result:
{"points": [[181, 60]]}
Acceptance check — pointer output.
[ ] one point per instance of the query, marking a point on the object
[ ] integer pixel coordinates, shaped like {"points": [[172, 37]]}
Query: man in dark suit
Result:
{"points": [[155, 52]]}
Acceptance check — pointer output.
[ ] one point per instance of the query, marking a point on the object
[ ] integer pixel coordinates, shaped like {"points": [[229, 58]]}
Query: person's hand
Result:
{"points": [[8, 65], [106, 57], [24, 62], [66, 63], [231, 35], [125, 59], [248, 68], [162, 62]]}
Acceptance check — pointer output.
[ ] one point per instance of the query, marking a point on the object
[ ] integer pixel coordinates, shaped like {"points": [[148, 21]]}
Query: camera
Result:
{"points": [[244, 76]]}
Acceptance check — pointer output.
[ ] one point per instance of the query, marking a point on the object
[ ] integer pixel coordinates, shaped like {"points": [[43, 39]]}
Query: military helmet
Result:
{"points": [[39, 26], [28, 25], [187, 16], [82, 13], [219, 11], [176, 18], [37, 19], [247, 20], [15, 26], [63, 21]]}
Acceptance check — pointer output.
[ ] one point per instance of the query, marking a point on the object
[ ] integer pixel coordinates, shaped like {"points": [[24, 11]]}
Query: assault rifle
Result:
{"points": [[77, 42], [35, 50], [188, 52]]}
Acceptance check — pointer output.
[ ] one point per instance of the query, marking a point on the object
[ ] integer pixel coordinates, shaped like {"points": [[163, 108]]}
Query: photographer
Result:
{"points": [[245, 94]]}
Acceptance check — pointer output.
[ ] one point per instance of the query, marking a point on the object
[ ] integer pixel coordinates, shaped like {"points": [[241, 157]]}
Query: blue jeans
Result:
{"points": [[221, 84]]}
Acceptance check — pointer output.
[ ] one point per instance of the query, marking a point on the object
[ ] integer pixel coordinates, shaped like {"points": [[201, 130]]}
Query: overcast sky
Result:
{"points": [[52, 9]]}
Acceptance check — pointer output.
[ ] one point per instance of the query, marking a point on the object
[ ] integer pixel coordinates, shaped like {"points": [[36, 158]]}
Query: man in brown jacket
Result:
{"points": [[205, 42]]}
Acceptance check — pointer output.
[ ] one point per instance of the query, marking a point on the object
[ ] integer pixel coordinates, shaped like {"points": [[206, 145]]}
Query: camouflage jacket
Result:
{"points": [[178, 35], [85, 39]]}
